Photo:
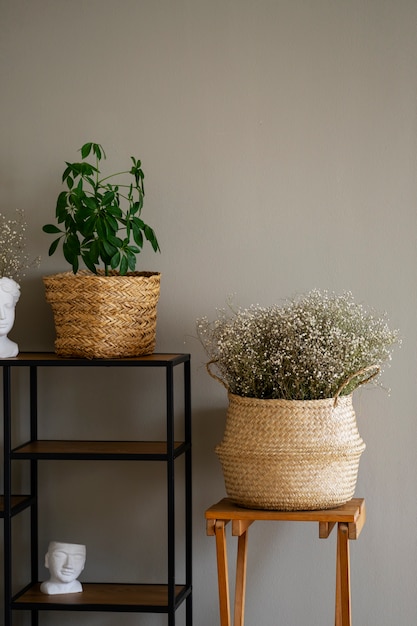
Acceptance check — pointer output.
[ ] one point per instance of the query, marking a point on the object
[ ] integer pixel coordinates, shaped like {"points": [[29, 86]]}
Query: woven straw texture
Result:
{"points": [[290, 454], [99, 316]]}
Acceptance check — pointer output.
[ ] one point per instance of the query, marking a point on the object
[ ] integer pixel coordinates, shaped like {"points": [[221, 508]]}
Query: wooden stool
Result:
{"points": [[349, 518]]}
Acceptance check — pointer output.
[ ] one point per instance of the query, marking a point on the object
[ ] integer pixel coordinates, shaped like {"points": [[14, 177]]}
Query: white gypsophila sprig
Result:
{"points": [[13, 257], [307, 349]]}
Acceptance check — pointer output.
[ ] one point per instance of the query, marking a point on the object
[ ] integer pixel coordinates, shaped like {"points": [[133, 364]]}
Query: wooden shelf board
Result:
{"points": [[16, 501], [50, 358], [93, 449], [101, 596]]}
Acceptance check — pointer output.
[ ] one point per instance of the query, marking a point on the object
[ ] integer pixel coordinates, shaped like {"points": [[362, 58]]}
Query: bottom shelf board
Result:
{"points": [[103, 597]]}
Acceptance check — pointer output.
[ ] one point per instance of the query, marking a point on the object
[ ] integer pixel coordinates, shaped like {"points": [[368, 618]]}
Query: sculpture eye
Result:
{"points": [[78, 557], [59, 554]]}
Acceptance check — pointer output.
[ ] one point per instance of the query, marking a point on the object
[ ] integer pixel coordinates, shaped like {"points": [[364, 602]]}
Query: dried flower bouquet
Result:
{"points": [[13, 257], [313, 347]]}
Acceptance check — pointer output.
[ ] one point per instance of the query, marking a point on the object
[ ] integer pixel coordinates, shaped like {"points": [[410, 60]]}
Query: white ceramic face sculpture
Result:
{"points": [[65, 562], [9, 295]]}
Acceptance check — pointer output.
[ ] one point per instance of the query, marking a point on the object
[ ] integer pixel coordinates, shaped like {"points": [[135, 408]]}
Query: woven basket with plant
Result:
{"points": [[109, 309]]}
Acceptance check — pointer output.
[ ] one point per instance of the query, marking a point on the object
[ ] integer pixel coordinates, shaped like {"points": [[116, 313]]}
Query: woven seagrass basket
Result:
{"points": [[99, 316], [290, 454]]}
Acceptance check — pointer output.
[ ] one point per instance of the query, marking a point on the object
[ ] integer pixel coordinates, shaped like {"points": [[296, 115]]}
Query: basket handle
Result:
{"points": [[375, 372], [208, 368]]}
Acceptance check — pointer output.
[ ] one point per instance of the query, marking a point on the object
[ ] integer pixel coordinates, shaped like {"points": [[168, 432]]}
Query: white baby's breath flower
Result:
{"points": [[304, 350], [13, 258]]}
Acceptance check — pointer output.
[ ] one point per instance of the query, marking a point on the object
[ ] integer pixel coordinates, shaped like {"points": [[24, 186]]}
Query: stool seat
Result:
{"points": [[350, 519]]}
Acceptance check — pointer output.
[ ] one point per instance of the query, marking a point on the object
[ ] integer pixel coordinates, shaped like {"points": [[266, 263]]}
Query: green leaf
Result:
{"points": [[98, 151], [108, 197], [115, 260], [53, 246], [90, 203], [151, 237], [94, 251], [86, 169], [112, 224], [115, 241], [138, 223], [134, 208], [51, 229], [114, 211], [61, 203], [70, 225], [109, 249], [131, 259], [69, 254], [88, 226], [101, 229], [72, 244], [123, 266], [138, 237], [86, 149], [67, 172], [89, 263], [75, 265]]}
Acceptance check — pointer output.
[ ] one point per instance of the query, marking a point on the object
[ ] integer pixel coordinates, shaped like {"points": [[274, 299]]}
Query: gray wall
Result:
{"points": [[278, 139]]}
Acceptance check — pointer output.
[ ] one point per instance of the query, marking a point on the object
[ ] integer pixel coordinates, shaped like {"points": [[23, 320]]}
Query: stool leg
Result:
{"points": [[222, 573], [343, 608], [240, 590]]}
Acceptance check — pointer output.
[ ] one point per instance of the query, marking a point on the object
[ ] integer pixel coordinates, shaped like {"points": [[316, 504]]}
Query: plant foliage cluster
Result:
{"points": [[313, 347], [100, 221]]}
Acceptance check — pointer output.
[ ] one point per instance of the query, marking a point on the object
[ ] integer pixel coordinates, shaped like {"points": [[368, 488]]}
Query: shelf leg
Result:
{"points": [[343, 605], [222, 572], [242, 551]]}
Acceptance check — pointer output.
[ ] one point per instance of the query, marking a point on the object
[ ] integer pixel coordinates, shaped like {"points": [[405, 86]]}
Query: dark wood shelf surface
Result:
{"points": [[50, 358], [102, 597], [120, 450], [17, 503]]}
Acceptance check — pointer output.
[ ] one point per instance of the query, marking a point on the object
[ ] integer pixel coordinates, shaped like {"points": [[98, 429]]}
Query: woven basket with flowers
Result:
{"points": [[291, 441]]}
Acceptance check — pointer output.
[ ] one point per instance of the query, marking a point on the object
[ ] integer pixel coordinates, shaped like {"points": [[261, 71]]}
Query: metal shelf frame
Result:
{"points": [[165, 598]]}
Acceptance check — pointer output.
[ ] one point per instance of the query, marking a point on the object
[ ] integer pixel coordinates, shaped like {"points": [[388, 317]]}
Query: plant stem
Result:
{"points": [[111, 176]]}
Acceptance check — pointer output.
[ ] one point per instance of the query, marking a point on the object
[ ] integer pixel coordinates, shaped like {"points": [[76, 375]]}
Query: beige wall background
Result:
{"points": [[279, 143]]}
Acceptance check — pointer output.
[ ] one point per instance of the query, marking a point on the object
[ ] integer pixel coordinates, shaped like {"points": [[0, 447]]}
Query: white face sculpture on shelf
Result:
{"points": [[65, 562], [9, 295]]}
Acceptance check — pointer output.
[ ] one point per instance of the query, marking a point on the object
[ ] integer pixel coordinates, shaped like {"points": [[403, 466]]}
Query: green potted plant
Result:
{"points": [[291, 440], [108, 308]]}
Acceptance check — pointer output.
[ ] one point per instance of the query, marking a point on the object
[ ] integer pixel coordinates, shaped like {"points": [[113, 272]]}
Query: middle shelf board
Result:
{"points": [[98, 450], [103, 597]]}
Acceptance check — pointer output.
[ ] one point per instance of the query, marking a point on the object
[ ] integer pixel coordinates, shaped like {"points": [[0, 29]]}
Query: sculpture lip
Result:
{"points": [[67, 569]]}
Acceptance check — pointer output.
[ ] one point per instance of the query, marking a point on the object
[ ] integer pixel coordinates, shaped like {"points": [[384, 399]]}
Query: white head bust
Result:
{"points": [[65, 562], [9, 295]]}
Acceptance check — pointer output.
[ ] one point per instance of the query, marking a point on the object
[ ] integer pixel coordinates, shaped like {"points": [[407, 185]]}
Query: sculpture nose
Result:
{"points": [[68, 562]]}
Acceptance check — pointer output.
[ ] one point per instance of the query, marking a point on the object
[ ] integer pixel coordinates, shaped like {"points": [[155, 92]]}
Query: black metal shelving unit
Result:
{"points": [[141, 598]]}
